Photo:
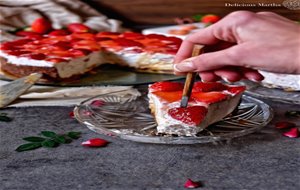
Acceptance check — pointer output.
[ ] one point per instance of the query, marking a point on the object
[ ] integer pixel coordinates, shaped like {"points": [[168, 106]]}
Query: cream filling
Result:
{"points": [[83, 64]]}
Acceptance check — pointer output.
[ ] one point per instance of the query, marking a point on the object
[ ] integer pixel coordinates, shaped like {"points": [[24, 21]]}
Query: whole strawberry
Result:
{"points": [[210, 19], [41, 25], [78, 28]]}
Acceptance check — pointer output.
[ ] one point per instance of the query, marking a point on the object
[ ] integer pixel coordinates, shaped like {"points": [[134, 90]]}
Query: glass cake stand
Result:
{"points": [[129, 118], [277, 94]]}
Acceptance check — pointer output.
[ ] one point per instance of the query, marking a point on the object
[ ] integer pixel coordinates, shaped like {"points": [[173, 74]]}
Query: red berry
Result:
{"points": [[95, 142], [192, 115], [210, 18], [79, 52], [169, 96], [60, 32], [36, 56], [17, 52], [98, 103], [236, 89], [132, 35], [71, 114], [292, 133], [41, 25], [127, 43], [166, 86], [209, 97], [189, 184], [284, 125], [78, 27], [30, 35], [56, 60], [208, 86]]}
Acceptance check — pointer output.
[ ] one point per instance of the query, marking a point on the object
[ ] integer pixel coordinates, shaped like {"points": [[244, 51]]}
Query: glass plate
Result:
{"points": [[276, 94], [129, 118], [107, 75]]}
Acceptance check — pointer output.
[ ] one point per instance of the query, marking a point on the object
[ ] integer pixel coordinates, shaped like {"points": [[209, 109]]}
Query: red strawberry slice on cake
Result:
{"points": [[78, 28], [190, 115], [209, 103]]}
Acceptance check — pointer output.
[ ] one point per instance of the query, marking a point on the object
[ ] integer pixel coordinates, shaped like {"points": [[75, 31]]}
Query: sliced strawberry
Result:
{"points": [[192, 115], [78, 28], [169, 96], [236, 89], [56, 60], [210, 18], [127, 43], [174, 40], [166, 86], [79, 52], [132, 35], [87, 44], [36, 56], [208, 86], [19, 42], [108, 34], [41, 25], [84, 36], [17, 52], [157, 36], [99, 39], [209, 97], [60, 32], [29, 34], [7, 46], [60, 53], [61, 45]]}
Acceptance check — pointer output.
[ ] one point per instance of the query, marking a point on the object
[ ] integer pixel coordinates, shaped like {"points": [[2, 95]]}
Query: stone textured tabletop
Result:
{"points": [[263, 160]]}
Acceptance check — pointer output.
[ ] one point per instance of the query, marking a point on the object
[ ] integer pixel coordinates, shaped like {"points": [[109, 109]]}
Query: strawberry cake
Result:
{"points": [[62, 54], [209, 103]]}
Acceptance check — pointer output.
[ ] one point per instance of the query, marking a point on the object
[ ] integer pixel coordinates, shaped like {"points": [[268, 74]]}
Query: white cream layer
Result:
{"points": [[80, 65]]}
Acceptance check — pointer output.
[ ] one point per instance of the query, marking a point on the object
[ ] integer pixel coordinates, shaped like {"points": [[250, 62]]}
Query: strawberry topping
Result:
{"points": [[60, 32], [208, 86], [37, 56], [190, 115], [209, 97], [166, 86], [169, 96], [236, 89], [78, 28]]}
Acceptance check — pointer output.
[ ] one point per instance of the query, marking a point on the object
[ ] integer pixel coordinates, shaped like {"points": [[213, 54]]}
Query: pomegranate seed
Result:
{"points": [[71, 114], [284, 125], [95, 142], [189, 184], [292, 133]]}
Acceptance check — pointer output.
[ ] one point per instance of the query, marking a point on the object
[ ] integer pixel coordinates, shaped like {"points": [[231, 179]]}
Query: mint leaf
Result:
{"points": [[4, 117], [74, 135], [49, 143], [28, 146], [60, 139], [34, 139], [49, 134]]}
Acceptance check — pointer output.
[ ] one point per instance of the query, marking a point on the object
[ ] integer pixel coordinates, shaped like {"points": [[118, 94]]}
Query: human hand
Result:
{"points": [[245, 42]]}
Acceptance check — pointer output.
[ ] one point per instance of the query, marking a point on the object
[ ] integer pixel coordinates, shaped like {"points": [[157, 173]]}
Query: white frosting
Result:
{"points": [[286, 81], [25, 60]]}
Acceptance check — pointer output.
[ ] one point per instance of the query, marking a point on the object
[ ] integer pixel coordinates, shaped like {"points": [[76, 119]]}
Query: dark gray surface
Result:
{"points": [[264, 160]]}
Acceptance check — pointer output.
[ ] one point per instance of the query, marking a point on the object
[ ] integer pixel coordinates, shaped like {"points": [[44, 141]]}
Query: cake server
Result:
{"points": [[190, 78], [11, 91]]}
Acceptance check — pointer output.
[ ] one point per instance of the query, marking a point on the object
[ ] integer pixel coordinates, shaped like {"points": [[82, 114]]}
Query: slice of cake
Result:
{"points": [[209, 103], [66, 55]]}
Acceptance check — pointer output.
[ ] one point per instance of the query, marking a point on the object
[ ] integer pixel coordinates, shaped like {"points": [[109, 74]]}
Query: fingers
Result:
{"points": [[252, 75], [208, 76]]}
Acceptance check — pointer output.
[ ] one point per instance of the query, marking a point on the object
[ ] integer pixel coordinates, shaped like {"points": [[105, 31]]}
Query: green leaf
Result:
{"points": [[60, 139], [28, 146], [74, 135], [197, 18], [292, 114], [4, 117], [34, 139], [49, 143], [49, 134]]}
